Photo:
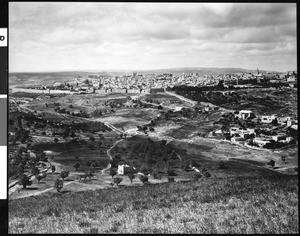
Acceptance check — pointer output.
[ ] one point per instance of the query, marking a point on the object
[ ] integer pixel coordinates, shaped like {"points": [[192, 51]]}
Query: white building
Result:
{"points": [[267, 119], [123, 169], [244, 114]]}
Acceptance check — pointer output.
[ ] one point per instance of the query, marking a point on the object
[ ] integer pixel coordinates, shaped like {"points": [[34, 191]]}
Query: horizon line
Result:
{"points": [[131, 70]]}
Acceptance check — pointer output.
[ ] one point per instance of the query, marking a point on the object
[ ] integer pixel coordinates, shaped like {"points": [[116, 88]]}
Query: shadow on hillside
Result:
{"points": [[31, 188], [67, 180], [65, 191]]}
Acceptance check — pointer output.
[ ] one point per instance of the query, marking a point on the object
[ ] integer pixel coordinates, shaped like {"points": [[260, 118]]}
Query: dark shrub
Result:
{"points": [[117, 180], [64, 174], [271, 163], [207, 174], [171, 172], [171, 179], [143, 178], [76, 166], [222, 165], [197, 175], [112, 172]]}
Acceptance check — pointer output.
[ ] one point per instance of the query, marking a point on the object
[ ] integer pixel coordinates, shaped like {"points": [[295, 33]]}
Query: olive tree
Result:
{"points": [[112, 172], [64, 174], [25, 181], [117, 180], [58, 184], [131, 176]]}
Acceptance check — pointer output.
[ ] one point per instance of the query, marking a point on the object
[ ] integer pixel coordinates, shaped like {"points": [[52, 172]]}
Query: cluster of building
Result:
{"points": [[262, 135], [145, 82]]}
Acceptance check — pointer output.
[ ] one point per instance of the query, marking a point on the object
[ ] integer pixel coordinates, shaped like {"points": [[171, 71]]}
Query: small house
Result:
{"points": [[124, 169], [245, 114], [267, 119]]}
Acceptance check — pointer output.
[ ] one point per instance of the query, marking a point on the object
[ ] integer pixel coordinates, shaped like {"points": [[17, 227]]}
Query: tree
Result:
{"points": [[76, 166], [151, 129], [88, 163], [58, 184], [64, 174], [25, 181], [94, 165], [117, 180], [171, 172], [39, 178], [145, 170], [53, 169], [92, 138], [90, 173], [131, 176], [56, 140], [112, 172], [35, 171]]}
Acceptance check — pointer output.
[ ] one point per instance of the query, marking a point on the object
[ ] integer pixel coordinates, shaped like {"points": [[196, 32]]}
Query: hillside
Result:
{"points": [[229, 205]]}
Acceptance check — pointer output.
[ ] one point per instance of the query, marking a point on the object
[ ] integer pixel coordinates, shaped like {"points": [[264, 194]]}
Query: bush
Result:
{"points": [[64, 174], [171, 179], [143, 178], [117, 180], [53, 168]]}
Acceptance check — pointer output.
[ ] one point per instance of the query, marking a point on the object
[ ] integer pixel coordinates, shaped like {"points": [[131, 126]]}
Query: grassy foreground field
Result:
{"points": [[229, 205]]}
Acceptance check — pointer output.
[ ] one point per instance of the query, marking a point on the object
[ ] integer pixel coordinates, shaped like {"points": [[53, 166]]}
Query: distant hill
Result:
{"points": [[201, 70], [42, 78]]}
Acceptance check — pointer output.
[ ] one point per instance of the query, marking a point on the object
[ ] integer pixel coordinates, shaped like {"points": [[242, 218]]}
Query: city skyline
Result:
{"points": [[147, 36]]}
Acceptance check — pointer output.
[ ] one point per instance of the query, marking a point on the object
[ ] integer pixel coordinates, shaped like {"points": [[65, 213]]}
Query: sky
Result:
{"points": [[139, 36]]}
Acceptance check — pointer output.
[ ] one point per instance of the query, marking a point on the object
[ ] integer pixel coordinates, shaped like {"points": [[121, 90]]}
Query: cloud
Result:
{"points": [[150, 35]]}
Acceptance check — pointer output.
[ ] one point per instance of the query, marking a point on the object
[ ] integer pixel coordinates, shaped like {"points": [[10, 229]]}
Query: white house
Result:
{"points": [[177, 108], [267, 119], [244, 114], [123, 169], [261, 142]]}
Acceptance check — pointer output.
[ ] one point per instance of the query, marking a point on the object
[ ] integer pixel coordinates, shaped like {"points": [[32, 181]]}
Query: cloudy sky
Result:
{"points": [[98, 36]]}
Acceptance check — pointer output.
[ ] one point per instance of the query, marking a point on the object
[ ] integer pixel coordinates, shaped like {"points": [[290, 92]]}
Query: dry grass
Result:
{"points": [[233, 205]]}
